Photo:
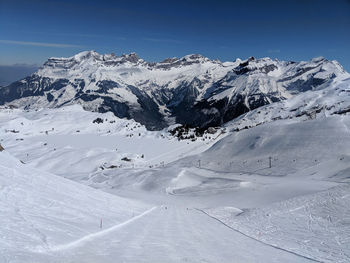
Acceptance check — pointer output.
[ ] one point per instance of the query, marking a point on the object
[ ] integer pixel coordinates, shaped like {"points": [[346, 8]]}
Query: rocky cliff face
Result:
{"points": [[191, 90]]}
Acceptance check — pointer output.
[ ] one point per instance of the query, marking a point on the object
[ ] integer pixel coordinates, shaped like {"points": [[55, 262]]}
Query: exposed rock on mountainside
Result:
{"points": [[192, 90]]}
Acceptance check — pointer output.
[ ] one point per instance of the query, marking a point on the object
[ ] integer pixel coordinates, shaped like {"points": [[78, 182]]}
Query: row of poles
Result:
{"points": [[270, 162]]}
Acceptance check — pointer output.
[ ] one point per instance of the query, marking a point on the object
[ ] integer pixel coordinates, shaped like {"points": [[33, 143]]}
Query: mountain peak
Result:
{"points": [[183, 61], [78, 57], [86, 54], [318, 59], [195, 58], [132, 57]]}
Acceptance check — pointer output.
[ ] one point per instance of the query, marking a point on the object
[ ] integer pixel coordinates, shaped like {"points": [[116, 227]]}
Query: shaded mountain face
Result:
{"points": [[191, 90]]}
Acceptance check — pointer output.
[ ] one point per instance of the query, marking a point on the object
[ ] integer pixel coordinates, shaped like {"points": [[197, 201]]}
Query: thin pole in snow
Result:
{"points": [[199, 163], [270, 161], [101, 223]]}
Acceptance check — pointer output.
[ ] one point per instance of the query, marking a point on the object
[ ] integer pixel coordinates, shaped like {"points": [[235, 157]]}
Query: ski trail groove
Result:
{"points": [[262, 242], [90, 237]]}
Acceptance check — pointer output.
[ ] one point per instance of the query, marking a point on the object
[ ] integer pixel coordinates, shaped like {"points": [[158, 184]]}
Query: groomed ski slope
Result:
{"points": [[175, 234], [45, 218]]}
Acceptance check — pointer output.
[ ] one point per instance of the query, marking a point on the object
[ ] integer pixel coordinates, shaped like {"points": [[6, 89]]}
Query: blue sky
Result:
{"points": [[33, 30]]}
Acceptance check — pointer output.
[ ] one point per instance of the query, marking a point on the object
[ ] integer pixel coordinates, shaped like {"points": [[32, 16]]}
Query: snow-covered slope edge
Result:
{"points": [[41, 211]]}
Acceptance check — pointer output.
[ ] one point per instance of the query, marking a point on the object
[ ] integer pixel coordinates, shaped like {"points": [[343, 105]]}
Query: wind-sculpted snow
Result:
{"points": [[190, 90]]}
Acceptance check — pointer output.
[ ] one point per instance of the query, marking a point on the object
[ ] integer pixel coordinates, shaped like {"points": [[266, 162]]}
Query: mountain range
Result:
{"points": [[192, 90]]}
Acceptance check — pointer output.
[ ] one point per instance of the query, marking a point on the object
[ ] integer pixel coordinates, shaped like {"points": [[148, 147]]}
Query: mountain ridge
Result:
{"points": [[192, 90]]}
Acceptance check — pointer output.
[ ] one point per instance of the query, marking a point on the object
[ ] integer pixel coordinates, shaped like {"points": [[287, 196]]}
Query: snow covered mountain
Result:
{"points": [[330, 101], [190, 90]]}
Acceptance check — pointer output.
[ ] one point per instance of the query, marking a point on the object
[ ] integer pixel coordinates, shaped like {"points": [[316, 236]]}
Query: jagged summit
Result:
{"points": [[78, 57], [132, 57], [241, 66], [92, 57], [193, 89], [113, 60]]}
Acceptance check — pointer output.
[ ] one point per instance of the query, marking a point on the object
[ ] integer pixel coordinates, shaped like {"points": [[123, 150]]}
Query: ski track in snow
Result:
{"points": [[286, 250], [93, 236], [177, 234]]}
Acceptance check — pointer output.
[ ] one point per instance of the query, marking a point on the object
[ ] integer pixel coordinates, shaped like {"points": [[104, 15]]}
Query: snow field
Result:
{"points": [[297, 210], [40, 211]]}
